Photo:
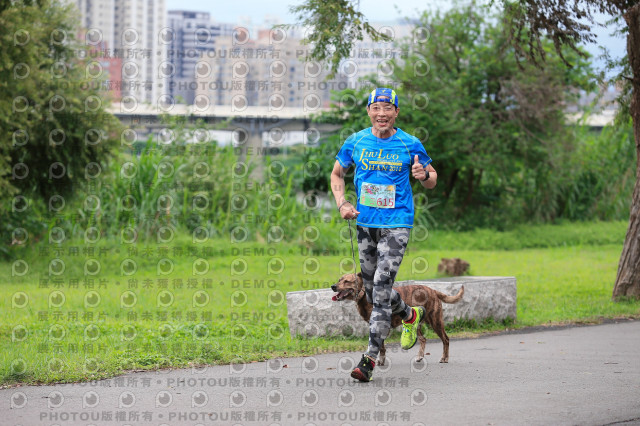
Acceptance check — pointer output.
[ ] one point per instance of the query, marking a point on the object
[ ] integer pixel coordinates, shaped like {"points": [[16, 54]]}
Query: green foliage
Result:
{"points": [[575, 234], [336, 26], [51, 108], [559, 284], [54, 131], [600, 177], [155, 192], [495, 129]]}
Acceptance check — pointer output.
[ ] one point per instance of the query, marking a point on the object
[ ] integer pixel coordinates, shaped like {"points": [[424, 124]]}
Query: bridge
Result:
{"points": [[248, 124], [248, 129]]}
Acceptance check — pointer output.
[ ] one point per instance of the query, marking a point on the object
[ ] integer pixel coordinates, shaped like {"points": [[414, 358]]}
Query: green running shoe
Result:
{"points": [[410, 331]]}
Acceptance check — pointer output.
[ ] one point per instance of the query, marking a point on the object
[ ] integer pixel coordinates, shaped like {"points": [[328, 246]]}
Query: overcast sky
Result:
{"points": [[229, 11], [374, 10]]}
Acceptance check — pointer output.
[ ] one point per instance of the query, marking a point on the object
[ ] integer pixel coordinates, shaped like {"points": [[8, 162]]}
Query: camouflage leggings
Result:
{"points": [[381, 251]]}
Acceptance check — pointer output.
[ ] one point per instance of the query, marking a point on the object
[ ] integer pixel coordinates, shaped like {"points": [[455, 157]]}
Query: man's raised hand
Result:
{"points": [[417, 170]]}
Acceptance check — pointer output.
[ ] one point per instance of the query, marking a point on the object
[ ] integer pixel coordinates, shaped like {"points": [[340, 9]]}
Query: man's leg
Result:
{"points": [[390, 253], [368, 251], [391, 247], [381, 252], [389, 260]]}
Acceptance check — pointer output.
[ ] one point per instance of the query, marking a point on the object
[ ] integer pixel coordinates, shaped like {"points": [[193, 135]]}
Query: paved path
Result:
{"points": [[587, 375]]}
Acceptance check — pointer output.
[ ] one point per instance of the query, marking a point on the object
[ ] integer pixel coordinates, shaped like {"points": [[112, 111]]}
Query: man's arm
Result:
{"points": [[347, 210], [419, 172], [433, 178]]}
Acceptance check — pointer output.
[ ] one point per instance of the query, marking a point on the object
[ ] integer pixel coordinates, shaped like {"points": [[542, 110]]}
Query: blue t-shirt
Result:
{"points": [[382, 170]]}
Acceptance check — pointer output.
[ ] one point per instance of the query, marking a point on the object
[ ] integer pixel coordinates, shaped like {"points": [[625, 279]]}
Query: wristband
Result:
{"points": [[345, 202], [426, 177]]}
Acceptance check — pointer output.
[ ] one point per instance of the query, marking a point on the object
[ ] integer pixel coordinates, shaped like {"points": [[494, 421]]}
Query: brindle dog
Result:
{"points": [[349, 287]]}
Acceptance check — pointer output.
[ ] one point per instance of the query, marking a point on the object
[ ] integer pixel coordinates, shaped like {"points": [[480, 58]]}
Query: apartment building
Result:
{"points": [[135, 32]]}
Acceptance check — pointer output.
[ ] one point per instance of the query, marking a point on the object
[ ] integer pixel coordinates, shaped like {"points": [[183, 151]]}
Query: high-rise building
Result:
{"points": [[266, 71], [141, 32], [194, 37], [135, 31], [99, 16]]}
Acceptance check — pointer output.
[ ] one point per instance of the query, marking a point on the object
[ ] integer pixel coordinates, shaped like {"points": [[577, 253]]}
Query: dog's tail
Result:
{"points": [[451, 299]]}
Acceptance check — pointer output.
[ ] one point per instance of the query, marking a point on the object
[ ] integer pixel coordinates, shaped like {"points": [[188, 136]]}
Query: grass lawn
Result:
{"points": [[119, 307]]}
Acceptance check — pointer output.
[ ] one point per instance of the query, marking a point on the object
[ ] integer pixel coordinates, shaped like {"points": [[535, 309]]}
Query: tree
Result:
{"points": [[496, 127], [54, 129], [567, 24], [335, 25], [563, 22]]}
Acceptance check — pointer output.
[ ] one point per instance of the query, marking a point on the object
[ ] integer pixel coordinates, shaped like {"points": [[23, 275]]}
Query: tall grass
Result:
{"points": [[205, 190], [161, 190], [593, 182]]}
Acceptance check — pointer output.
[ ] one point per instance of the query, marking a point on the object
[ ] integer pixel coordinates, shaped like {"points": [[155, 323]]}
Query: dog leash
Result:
{"points": [[353, 254]]}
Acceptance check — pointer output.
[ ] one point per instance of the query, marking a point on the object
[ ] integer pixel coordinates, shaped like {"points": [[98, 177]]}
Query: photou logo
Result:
{"points": [[419, 265], [199, 399], [55, 399], [275, 298], [128, 170], [128, 299], [237, 399], [57, 332], [274, 398], [90, 399], [382, 398], [310, 365], [275, 365], [128, 332], [418, 397], [346, 398], [200, 299], [18, 400], [238, 366], [164, 267], [200, 267], [163, 399], [165, 331], [345, 364], [128, 267], [239, 332], [126, 400], [19, 333], [56, 299], [275, 266], [238, 298], [200, 331], [19, 268], [238, 266], [310, 398], [91, 332], [164, 299]]}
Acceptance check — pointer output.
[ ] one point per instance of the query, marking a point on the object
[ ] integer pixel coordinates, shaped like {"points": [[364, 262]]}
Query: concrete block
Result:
{"points": [[312, 313]]}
